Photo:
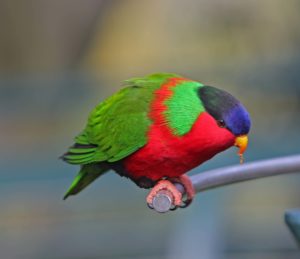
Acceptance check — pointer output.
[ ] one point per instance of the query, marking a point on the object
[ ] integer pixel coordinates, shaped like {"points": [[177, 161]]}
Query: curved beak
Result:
{"points": [[241, 142]]}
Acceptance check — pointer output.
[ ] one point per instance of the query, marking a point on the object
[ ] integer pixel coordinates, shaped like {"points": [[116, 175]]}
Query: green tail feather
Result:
{"points": [[87, 174], [79, 158], [80, 154]]}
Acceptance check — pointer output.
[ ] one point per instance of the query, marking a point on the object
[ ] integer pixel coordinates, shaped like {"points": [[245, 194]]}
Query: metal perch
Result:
{"points": [[162, 202]]}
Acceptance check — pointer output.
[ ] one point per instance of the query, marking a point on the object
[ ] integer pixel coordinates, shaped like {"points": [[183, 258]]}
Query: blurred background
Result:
{"points": [[59, 58]]}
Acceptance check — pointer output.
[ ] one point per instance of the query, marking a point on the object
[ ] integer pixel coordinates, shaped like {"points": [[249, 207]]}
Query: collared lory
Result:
{"points": [[155, 130]]}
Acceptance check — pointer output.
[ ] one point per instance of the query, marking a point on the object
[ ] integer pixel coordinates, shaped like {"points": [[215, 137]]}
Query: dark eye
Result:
{"points": [[221, 123]]}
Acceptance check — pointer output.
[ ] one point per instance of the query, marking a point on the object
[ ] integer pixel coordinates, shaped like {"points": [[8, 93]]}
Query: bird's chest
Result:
{"points": [[168, 155]]}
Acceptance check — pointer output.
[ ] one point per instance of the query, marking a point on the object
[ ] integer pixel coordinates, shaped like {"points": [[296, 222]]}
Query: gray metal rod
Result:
{"points": [[239, 173], [233, 174]]}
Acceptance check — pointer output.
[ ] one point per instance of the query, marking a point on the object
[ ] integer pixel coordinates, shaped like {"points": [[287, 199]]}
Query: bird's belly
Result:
{"points": [[156, 162], [168, 155]]}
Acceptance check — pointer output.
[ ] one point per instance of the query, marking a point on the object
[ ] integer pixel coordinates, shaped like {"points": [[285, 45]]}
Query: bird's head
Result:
{"points": [[229, 114]]}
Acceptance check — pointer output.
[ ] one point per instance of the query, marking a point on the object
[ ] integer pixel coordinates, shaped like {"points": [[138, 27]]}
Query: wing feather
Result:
{"points": [[118, 126]]}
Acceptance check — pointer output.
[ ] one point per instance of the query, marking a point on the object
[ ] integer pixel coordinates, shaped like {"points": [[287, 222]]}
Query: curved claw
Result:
{"points": [[150, 206], [174, 208], [186, 203], [185, 181]]}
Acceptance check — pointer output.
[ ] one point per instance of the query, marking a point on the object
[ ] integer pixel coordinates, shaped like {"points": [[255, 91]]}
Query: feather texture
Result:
{"points": [[118, 126], [157, 126]]}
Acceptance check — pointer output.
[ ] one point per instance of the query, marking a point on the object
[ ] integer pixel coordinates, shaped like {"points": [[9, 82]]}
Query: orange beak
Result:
{"points": [[241, 142]]}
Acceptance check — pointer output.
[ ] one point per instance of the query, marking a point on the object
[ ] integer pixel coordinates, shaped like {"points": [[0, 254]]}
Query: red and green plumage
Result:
{"points": [[159, 126]]}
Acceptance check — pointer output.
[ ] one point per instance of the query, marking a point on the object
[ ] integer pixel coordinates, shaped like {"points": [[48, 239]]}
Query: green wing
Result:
{"points": [[118, 126]]}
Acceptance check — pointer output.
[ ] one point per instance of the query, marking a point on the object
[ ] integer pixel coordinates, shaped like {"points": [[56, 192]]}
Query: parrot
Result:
{"points": [[156, 129]]}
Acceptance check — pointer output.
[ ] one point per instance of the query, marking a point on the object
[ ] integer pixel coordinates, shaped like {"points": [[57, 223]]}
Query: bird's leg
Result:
{"points": [[169, 187], [185, 181]]}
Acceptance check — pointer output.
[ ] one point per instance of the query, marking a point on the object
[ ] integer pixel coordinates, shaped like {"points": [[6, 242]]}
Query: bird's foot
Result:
{"points": [[168, 188], [185, 181]]}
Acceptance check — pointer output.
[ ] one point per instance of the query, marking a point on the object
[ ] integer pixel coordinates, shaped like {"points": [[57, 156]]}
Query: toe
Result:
{"points": [[165, 186], [185, 181]]}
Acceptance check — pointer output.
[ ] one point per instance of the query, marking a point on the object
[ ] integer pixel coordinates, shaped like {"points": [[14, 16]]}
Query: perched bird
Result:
{"points": [[155, 130]]}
